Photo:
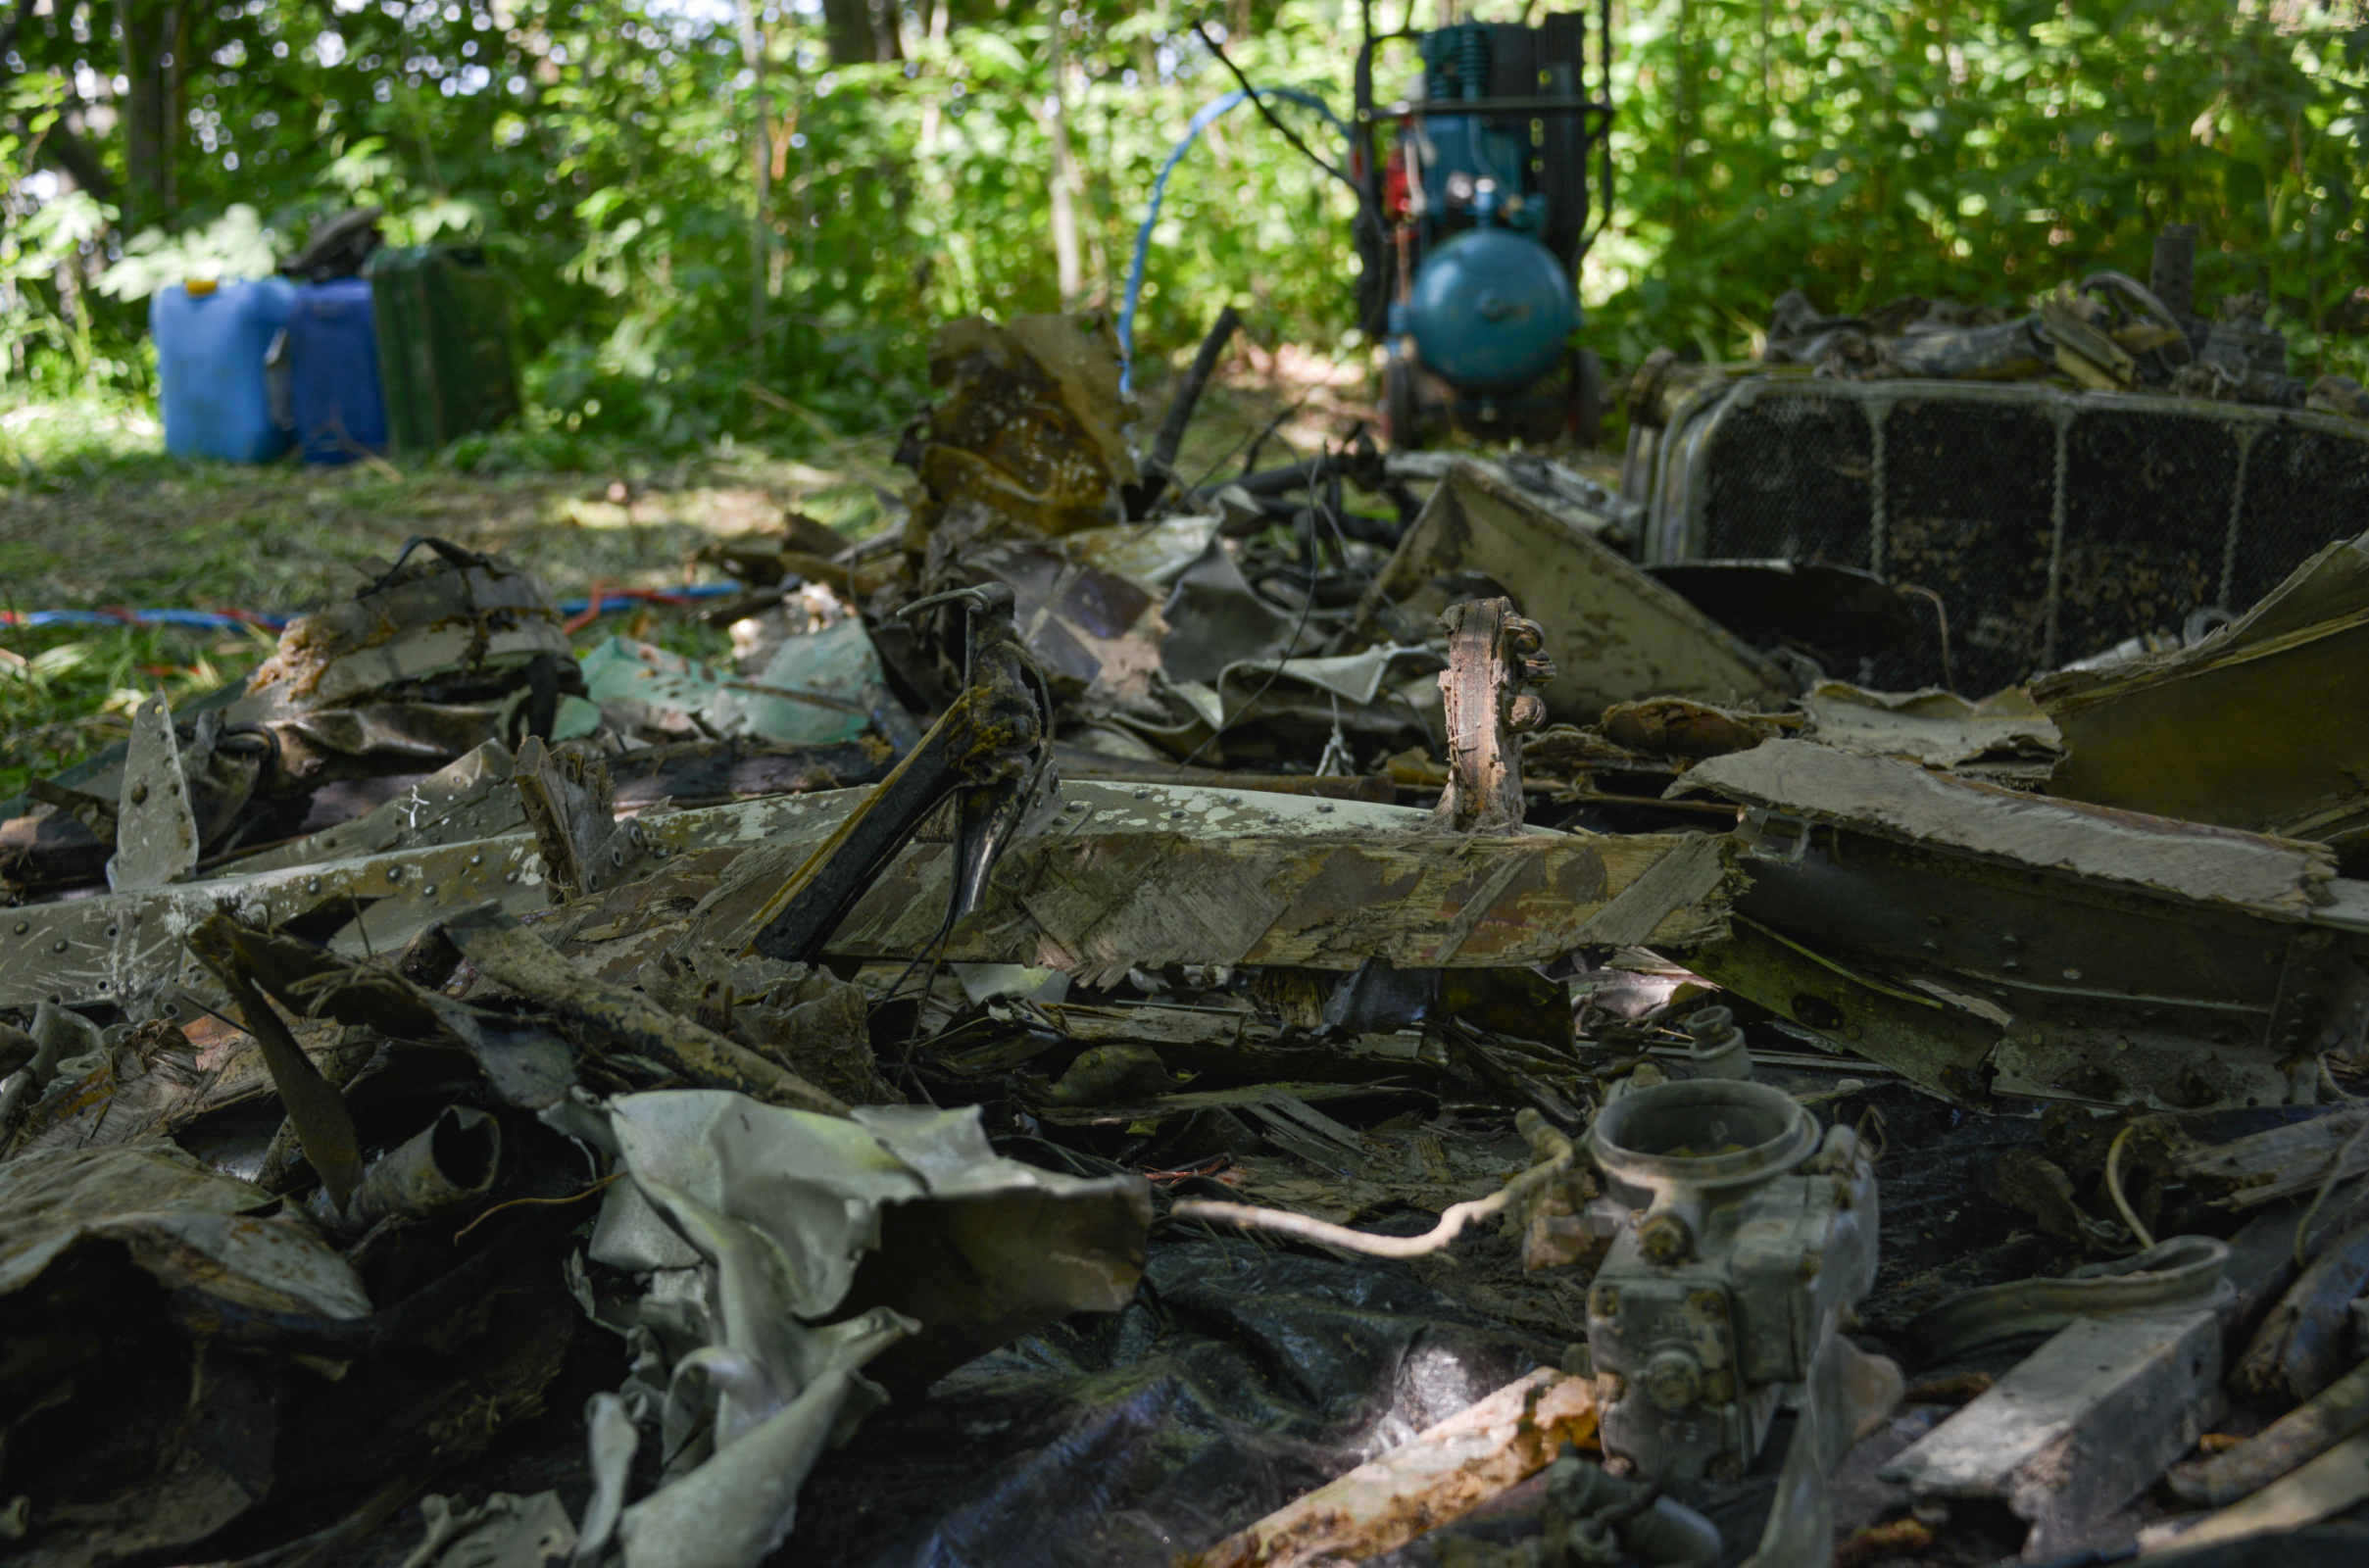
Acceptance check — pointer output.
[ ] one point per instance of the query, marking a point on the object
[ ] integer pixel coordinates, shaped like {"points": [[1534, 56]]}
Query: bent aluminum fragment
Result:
{"points": [[614, 1438], [156, 825], [734, 1510], [323, 1125], [506, 951], [812, 1217], [1846, 1395], [1617, 635]]}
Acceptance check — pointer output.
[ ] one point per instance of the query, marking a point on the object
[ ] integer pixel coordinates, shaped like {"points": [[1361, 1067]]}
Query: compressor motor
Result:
{"points": [[1476, 217]]}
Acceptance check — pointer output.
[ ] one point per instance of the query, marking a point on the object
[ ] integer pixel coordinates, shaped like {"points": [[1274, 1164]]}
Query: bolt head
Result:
{"points": [[1664, 1240], [1673, 1381]]}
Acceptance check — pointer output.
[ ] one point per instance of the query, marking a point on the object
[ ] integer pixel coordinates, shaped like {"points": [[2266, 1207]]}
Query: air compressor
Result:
{"points": [[1476, 210]]}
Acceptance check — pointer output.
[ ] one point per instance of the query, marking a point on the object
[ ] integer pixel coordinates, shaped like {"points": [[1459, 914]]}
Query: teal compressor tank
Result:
{"points": [[1490, 311]]}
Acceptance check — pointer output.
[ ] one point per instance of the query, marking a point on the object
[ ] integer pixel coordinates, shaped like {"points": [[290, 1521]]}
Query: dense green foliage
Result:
{"points": [[603, 150]]}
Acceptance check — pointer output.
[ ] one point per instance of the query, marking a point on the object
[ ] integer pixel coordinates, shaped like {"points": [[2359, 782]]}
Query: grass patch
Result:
{"points": [[94, 515]]}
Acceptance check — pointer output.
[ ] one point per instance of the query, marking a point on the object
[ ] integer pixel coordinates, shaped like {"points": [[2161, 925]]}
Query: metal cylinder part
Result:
{"points": [[1718, 1050], [1703, 1133], [451, 1162]]}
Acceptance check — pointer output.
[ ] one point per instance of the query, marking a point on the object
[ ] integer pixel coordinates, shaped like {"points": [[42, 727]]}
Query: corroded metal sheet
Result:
{"points": [[1124, 874], [156, 827]]}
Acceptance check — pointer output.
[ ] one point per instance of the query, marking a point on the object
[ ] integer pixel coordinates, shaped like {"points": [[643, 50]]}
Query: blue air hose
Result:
{"points": [[1200, 121]]}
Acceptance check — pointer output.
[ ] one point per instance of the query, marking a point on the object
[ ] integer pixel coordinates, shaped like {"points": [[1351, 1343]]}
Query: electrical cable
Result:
{"points": [[2113, 1187], [226, 619]]}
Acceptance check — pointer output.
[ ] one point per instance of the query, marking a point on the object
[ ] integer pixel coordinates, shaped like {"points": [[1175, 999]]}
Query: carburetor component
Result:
{"points": [[1742, 1234]]}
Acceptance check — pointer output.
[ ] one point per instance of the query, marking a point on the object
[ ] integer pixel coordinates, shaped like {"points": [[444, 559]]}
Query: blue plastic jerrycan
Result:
{"points": [[211, 341], [332, 357]]}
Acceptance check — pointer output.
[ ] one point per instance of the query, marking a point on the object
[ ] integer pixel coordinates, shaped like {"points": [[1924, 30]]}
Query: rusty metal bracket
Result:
{"points": [[1493, 654], [568, 800]]}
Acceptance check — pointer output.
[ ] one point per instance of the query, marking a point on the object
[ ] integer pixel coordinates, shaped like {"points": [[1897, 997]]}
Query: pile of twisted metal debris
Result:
{"points": [[1143, 1021]]}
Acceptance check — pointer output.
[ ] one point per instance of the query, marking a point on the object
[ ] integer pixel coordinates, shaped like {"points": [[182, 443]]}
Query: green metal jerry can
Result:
{"points": [[443, 323]]}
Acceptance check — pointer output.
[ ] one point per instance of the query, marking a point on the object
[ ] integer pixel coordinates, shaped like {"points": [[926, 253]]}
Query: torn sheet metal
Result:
{"points": [[569, 803], [502, 1532], [2205, 865], [1123, 875], [1214, 620], [2255, 728], [190, 1226], [2276, 1162], [1028, 425], [2107, 957], [1154, 553], [518, 960], [456, 612], [156, 824], [1151, 876], [1441, 1474], [812, 692], [1616, 635], [1096, 629], [1934, 727], [460, 611], [899, 1208], [472, 798], [120, 947]]}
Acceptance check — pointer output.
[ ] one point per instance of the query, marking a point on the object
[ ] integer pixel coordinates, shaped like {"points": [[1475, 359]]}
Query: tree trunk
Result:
{"points": [[860, 31], [761, 153], [155, 40], [1067, 269]]}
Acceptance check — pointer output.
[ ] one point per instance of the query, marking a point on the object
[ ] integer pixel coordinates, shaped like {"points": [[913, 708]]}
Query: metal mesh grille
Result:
{"points": [[1969, 490], [1791, 478], [2147, 522], [2304, 489]]}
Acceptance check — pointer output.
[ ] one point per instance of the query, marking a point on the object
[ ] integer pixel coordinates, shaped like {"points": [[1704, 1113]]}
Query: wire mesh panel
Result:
{"points": [[1968, 493], [2050, 525], [2305, 488], [2147, 522], [1792, 475]]}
